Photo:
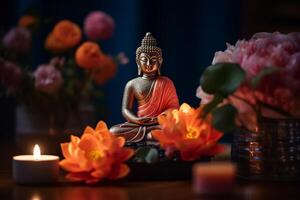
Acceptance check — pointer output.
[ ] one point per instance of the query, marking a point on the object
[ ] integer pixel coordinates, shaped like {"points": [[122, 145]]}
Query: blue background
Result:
{"points": [[189, 32]]}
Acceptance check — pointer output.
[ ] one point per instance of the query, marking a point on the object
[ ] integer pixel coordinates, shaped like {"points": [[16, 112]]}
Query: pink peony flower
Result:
{"points": [[17, 39], [47, 78], [10, 74], [226, 56], [99, 26], [279, 90]]}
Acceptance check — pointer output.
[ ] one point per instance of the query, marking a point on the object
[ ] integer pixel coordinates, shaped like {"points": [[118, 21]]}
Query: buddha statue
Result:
{"points": [[153, 93]]}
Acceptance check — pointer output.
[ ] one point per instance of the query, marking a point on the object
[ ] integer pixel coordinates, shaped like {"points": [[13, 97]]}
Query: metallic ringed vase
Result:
{"points": [[272, 153]]}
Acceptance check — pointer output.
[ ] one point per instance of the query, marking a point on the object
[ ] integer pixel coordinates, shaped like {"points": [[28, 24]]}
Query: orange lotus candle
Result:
{"points": [[213, 178], [36, 168]]}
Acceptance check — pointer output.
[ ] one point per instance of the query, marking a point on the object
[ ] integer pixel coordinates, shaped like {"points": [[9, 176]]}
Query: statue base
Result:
{"points": [[163, 170]]}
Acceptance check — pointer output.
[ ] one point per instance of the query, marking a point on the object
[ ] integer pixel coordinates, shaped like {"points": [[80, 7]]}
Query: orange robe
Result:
{"points": [[161, 97]]}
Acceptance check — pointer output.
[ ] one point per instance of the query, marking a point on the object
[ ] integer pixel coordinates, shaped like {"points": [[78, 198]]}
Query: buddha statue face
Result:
{"points": [[149, 56], [149, 63]]}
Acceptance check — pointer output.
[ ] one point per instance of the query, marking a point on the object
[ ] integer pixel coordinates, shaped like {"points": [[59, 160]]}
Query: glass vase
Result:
{"points": [[272, 152]]}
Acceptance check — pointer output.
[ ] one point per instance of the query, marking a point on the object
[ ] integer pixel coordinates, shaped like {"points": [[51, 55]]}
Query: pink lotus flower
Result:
{"points": [[99, 26], [10, 74], [17, 39], [278, 90], [47, 78]]}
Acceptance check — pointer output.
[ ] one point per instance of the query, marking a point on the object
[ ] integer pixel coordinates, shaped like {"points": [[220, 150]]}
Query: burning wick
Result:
{"points": [[36, 152]]}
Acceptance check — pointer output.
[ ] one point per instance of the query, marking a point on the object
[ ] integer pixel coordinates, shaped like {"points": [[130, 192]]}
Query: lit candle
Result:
{"points": [[213, 178], [36, 168]]}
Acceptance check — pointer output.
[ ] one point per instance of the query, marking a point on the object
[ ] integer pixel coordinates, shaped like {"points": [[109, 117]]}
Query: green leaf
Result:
{"points": [[213, 104], [222, 78], [255, 81], [146, 154], [224, 117]]}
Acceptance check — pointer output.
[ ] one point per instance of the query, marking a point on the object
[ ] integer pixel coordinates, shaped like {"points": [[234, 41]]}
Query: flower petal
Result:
{"points": [[124, 154], [161, 137], [88, 130], [99, 173], [101, 126], [82, 176], [189, 155], [65, 150], [70, 166], [88, 142], [119, 171], [184, 130]]}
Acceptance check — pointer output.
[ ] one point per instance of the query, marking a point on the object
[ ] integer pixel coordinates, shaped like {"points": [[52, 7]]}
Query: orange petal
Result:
{"points": [[88, 55], [70, 165], [215, 135], [88, 130], [188, 144], [82, 176], [162, 118], [121, 141], [123, 155], [101, 126], [67, 32], [104, 163], [65, 150], [75, 139], [85, 165], [186, 108], [189, 155], [73, 177], [99, 173], [119, 171], [161, 137], [54, 45], [88, 142]]}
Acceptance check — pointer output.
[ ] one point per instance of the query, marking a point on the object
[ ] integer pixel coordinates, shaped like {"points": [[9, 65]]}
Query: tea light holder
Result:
{"points": [[36, 168]]}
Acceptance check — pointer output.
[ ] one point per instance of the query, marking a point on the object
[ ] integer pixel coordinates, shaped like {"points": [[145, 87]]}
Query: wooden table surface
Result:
{"points": [[126, 190]]}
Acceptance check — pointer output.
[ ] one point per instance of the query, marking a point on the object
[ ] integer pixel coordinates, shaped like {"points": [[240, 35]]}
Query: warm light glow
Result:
{"points": [[185, 108], [192, 133], [35, 196], [175, 115], [96, 154], [36, 152]]}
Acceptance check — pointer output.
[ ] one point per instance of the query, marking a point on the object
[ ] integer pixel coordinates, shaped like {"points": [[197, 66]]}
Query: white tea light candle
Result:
{"points": [[36, 168]]}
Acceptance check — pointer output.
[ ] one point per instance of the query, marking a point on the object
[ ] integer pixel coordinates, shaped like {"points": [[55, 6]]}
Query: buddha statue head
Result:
{"points": [[149, 56]]}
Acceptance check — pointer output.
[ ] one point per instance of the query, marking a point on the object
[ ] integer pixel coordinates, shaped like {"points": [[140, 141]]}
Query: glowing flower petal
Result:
{"points": [[185, 131], [95, 156]]}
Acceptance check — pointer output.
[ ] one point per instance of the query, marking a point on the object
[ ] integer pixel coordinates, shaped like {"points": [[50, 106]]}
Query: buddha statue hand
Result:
{"points": [[148, 120]]}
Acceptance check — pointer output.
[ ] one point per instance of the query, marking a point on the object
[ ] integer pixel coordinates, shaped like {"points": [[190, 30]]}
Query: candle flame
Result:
{"points": [[36, 152]]}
